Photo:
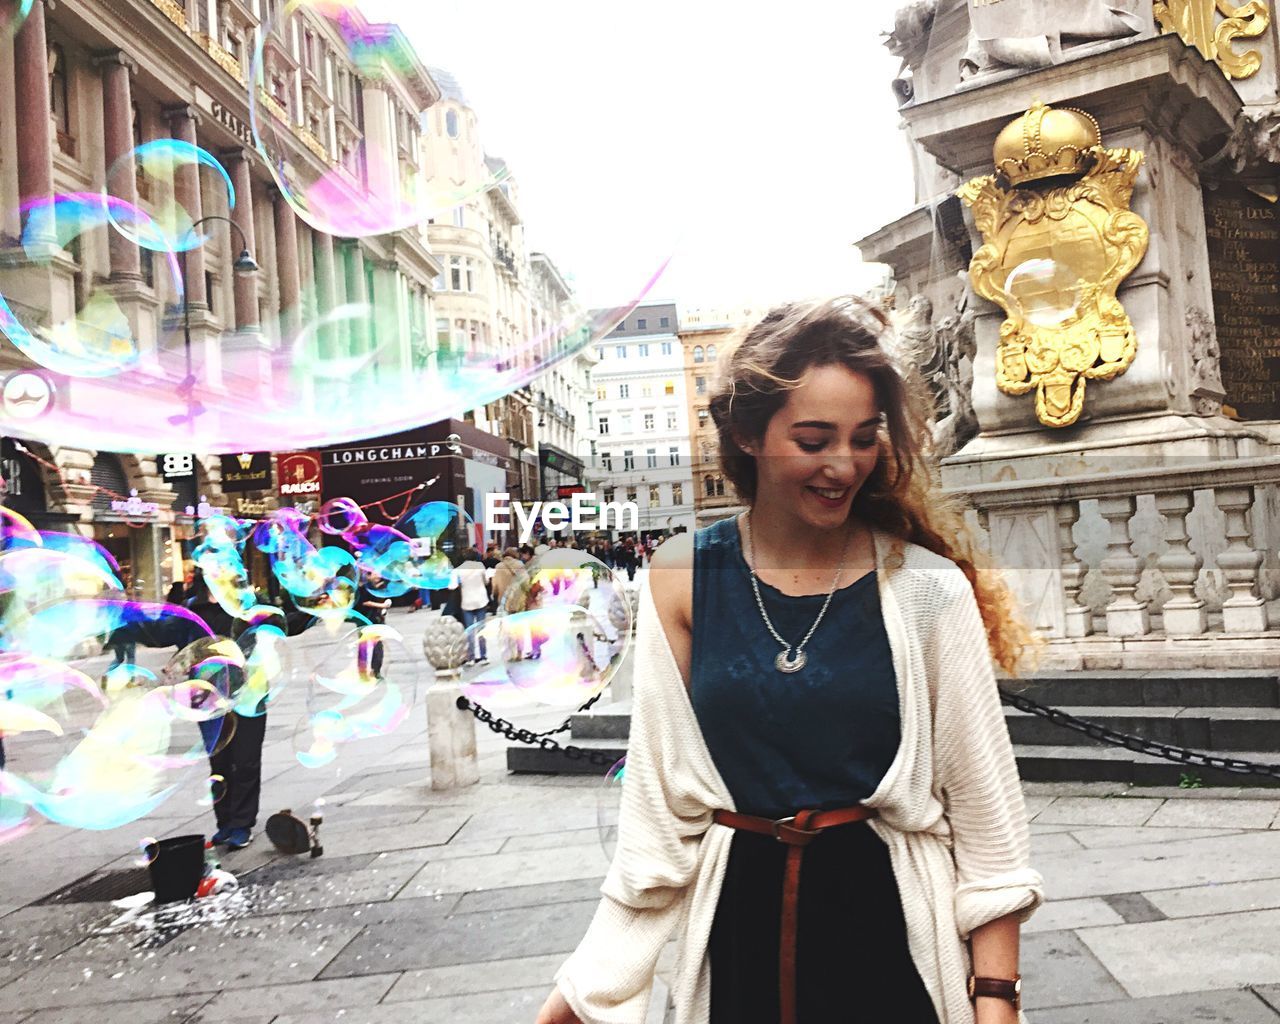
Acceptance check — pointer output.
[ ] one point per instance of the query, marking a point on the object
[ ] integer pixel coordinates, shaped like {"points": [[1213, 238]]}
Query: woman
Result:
{"points": [[474, 586], [828, 651]]}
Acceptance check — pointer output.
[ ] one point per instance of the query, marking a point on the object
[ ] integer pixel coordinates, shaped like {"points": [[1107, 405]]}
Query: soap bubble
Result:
{"points": [[167, 227], [364, 686], [369, 188], [608, 802], [1047, 291]]}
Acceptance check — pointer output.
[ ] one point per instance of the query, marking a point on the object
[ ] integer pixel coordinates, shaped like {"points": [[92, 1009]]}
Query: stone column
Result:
{"points": [[1078, 618], [1184, 613], [31, 110], [236, 162], [1126, 615], [183, 121], [326, 290], [358, 294], [287, 268], [306, 270], [117, 145]]}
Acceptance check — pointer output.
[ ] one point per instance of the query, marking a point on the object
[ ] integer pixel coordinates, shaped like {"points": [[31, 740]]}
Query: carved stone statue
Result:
{"points": [[917, 342], [958, 343], [1255, 139], [1207, 391], [1034, 33]]}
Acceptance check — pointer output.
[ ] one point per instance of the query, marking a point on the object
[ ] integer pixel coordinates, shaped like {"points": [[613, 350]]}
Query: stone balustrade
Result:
{"points": [[1188, 552]]}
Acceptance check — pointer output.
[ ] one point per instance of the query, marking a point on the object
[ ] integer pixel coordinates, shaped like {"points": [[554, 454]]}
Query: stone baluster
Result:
{"points": [[1078, 617], [1184, 613], [1244, 611], [1126, 615]]}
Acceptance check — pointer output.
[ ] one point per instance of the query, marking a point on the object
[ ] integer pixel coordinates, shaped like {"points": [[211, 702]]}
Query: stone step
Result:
{"points": [[523, 758], [1113, 764], [1200, 688], [1206, 729]]}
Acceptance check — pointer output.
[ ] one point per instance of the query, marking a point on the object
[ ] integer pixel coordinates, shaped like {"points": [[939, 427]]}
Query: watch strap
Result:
{"points": [[997, 988]]}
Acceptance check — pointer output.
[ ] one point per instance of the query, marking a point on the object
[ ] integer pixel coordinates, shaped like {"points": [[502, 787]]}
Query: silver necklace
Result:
{"points": [[791, 658]]}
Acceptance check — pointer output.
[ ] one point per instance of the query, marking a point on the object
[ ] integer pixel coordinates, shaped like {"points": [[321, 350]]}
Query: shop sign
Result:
{"points": [[180, 466], [248, 471], [134, 507], [298, 474]]}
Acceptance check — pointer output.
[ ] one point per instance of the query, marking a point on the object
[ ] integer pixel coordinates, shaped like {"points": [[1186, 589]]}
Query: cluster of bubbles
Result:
{"points": [[341, 370]]}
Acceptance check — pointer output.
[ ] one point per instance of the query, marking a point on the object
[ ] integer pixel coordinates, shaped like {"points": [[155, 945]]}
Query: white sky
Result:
{"points": [[755, 142]]}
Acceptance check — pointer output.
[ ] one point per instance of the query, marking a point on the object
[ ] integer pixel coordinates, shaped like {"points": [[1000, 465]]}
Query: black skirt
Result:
{"points": [[852, 961]]}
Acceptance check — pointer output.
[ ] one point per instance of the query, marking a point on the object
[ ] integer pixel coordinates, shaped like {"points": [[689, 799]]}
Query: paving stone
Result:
{"points": [[312, 997], [502, 869], [1236, 858], [529, 895], [1269, 994], [1105, 837], [1059, 970], [135, 1011], [1216, 814], [1087, 811], [364, 915], [1133, 907], [1059, 915], [428, 832], [511, 1006], [1194, 954], [1036, 804], [1201, 900], [551, 840], [465, 938], [342, 819], [1053, 843], [383, 878], [1200, 1008], [469, 979], [531, 821]]}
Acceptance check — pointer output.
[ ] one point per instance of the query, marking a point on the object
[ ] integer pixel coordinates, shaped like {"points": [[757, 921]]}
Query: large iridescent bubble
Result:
{"points": [[321, 581], [150, 168]]}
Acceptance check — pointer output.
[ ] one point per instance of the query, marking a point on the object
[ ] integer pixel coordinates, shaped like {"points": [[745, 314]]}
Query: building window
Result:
{"points": [[708, 486], [651, 458], [669, 387], [628, 460], [664, 321], [633, 495], [471, 274], [58, 104], [666, 346], [703, 416], [671, 419], [451, 123], [711, 353], [621, 327], [646, 390], [599, 352], [699, 385], [620, 351], [601, 393], [673, 453], [624, 390], [625, 426], [459, 217], [719, 487], [698, 355], [644, 351], [648, 421], [455, 273], [641, 324], [608, 495], [606, 460], [677, 494], [655, 497], [603, 425]]}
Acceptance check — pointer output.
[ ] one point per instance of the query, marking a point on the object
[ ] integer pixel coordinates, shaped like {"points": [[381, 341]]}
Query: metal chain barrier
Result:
{"points": [[1093, 730], [540, 739], [1136, 743]]}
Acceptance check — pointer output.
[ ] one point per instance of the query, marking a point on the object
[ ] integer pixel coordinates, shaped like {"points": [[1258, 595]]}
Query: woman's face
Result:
{"points": [[820, 447]]}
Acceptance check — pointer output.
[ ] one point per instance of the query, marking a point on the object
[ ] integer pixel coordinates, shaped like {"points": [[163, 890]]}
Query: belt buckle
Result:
{"points": [[781, 823], [796, 833]]}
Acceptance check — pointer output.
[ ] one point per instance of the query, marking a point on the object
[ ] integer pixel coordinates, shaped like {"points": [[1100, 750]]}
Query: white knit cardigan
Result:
{"points": [[951, 809]]}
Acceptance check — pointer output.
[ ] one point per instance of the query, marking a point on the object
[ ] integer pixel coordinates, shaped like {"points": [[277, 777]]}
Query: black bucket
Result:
{"points": [[177, 865]]}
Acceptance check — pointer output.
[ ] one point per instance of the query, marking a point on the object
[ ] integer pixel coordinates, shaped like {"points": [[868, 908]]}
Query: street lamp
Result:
{"points": [[244, 265]]}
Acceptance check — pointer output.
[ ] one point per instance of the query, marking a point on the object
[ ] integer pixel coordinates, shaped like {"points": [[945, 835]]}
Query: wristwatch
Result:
{"points": [[997, 988]]}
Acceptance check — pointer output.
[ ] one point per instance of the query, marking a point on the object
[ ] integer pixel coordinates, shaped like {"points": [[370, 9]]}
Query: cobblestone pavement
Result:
{"points": [[1164, 906]]}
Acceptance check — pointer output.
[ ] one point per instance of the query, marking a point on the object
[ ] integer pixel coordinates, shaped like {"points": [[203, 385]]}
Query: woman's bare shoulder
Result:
{"points": [[671, 581]]}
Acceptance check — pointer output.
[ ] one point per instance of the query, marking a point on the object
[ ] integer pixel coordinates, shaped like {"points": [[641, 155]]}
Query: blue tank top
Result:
{"points": [[823, 737]]}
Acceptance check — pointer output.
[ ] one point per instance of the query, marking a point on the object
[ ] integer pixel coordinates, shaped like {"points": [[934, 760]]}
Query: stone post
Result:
{"points": [[1126, 615], [117, 144], [246, 288], [1184, 613], [31, 103], [451, 732], [1244, 611], [1078, 617]]}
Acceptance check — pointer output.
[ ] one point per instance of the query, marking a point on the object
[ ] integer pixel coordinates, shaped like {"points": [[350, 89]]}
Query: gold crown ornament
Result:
{"points": [[1047, 142]]}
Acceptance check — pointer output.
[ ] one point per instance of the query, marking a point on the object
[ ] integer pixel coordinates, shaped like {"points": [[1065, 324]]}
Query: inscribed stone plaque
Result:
{"points": [[1244, 268]]}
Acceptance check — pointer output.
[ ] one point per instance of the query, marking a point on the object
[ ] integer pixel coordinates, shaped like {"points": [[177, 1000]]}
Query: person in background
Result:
{"points": [[373, 608], [491, 556], [508, 569], [475, 599], [526, 553]]}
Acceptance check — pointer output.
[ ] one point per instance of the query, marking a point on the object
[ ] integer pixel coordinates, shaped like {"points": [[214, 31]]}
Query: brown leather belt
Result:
{"points": [[797, 832]]}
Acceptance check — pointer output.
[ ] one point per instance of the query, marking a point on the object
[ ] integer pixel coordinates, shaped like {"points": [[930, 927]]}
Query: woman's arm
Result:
{"points": [[995, 955]]}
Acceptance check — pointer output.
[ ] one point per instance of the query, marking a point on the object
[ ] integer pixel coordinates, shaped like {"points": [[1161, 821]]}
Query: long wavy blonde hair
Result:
{"points": [[902, 495]]}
